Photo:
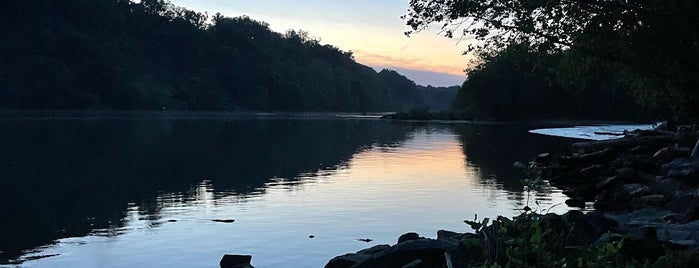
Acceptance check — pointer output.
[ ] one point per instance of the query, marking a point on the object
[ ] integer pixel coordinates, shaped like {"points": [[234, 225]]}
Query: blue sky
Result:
{"points": [[373, 30]]}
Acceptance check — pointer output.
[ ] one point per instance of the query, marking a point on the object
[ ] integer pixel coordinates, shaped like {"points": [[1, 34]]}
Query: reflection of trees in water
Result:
{"points": [[66, 178], [493, 148]]}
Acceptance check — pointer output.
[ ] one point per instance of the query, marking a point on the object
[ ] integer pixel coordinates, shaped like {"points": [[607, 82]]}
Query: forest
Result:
{"points": [[603, 59], [153, 55]]}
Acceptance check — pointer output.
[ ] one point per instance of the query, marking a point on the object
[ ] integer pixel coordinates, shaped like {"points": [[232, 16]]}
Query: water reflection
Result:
{"points": [[134, 188], [493, 148], [63, 176]]}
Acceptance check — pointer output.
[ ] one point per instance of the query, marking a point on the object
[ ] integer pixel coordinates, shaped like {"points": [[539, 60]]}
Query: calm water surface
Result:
{"points": [[142, 189]]}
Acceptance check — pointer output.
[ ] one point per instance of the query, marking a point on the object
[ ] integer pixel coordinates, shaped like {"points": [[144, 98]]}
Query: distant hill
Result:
{"points": [[116, 54]]}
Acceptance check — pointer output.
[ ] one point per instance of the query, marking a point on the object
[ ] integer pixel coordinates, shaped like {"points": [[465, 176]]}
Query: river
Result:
{"points": [[167, 189]]}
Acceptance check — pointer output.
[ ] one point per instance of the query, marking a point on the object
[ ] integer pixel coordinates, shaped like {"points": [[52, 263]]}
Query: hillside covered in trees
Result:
{"points": [[117, 54]]}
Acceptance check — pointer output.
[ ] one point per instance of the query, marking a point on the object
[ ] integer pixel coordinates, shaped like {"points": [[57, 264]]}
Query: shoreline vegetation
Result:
{"points": [[639, 207]]}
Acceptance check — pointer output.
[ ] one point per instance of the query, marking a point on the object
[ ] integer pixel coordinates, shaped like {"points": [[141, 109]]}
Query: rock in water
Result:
{"points": [[224, 221], [236, 261], [407, 237]]}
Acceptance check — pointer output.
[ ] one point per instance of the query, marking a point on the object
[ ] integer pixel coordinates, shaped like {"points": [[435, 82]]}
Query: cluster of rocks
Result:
{"points": [[411, 251], [646, 181], [584, 229]]}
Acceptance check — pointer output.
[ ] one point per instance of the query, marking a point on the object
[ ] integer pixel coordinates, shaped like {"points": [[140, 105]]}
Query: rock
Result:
{"points": [[430, 251], [680, 234], [236, 261], [450, 237], [576, 202], [224, 221], [695, 152], [686, 209], [670, 153], [345, 261], [639, 218], [586, 229], [407, 237], [374, 249], [682, 168], [351, 259]]}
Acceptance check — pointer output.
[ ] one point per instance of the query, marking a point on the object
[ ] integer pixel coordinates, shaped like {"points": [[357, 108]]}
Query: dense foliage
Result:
{"points": [[518, 82], [528, 240], [651, 47], [117, 54]]}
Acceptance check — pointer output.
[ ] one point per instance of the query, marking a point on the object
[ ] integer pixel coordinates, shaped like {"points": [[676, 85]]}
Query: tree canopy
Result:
{"points": [[652, 44], [118, 54]]}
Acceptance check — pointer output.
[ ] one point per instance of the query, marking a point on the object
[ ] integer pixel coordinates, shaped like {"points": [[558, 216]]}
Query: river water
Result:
{"points": [[160, 189]]}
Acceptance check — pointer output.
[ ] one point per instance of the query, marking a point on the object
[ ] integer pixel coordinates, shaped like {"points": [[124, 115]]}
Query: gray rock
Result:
{"points": [[670, 153], [682, 168], [450, 237], [407, 237], [352, 259], [640, 218], [430, 251], [236, 261], [681, 234], [374, 249]]}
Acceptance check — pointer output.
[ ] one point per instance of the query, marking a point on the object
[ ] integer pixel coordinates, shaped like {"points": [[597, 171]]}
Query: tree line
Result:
{"points": [[575, 57], [117, 54]]}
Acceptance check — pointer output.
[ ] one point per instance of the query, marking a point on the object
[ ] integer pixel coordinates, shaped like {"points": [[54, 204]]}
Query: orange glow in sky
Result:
{"points": [[373, 30]]}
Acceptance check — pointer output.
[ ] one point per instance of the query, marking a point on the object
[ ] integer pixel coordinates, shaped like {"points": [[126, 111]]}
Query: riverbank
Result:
{"points": [[641, 197]]}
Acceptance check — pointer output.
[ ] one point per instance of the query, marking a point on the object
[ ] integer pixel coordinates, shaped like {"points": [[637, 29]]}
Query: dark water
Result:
{"points": [[142, 189]]}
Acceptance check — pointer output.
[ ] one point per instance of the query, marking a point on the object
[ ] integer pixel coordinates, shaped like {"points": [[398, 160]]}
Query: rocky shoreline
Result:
{"points": [[641, 197]]}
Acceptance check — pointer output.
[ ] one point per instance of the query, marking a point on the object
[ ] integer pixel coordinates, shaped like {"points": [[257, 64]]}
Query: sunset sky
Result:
{"points": [[372, 29]]}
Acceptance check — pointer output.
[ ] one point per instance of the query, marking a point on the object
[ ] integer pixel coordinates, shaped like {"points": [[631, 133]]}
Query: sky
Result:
{"points": [[371, 29]]}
